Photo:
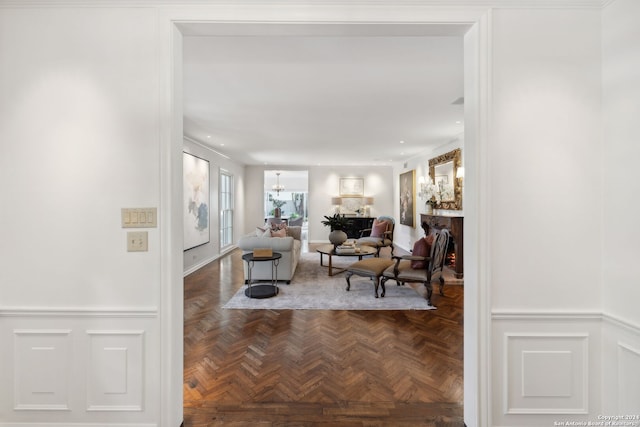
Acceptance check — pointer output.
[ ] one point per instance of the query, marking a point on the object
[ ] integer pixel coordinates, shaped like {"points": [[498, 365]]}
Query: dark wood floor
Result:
{"points": [[315, 367]]}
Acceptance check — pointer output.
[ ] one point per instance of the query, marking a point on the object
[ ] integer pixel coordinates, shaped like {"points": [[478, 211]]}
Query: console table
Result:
{"points": [[356, 224], [455, 225]]}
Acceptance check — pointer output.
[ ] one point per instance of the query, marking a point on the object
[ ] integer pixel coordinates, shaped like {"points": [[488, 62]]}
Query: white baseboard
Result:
{"points": [[202, 263]]}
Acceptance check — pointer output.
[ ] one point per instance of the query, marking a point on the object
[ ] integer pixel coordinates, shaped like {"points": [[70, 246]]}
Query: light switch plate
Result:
{"points": [[137, 241], [139, 217]]}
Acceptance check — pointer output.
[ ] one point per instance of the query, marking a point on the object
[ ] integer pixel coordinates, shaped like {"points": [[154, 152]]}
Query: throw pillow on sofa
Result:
{"points": [[263, 232], [279, 233]]}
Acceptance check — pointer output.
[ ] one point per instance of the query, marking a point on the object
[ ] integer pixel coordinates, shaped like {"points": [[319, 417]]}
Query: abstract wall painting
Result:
{"points": [[196, 200]]}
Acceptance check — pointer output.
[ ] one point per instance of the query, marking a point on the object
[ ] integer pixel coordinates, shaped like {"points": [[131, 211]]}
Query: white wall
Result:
{"points": [[621, 38], [546, 158], [405, 236], [545, 162], [79, 131], [620, 251], [323, 184], [199, 256]]}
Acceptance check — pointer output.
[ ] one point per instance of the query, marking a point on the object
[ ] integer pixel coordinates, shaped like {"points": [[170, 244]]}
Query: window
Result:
{"points": [[226, 209]]}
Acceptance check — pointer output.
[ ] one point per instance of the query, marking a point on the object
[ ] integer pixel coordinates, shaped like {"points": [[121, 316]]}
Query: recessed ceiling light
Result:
{"points": [[208, 136], [401, 142], [458, 122]]}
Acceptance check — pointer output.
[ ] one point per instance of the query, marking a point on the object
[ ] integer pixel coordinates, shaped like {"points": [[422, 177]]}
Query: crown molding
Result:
{"points": [[535, 4]]}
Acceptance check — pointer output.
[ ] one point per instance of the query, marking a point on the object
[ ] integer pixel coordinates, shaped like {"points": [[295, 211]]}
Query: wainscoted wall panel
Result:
{"points": [[621, 367], [547, 368], [629, 379], [546, 373], [115, 380], [91, 366], [42, 366]]}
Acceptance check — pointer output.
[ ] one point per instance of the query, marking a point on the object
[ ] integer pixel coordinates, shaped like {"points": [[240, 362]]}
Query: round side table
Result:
{"points": [[262, 291]]}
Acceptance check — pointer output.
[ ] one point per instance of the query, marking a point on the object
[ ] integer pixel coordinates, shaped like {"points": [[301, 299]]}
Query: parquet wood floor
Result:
{"points": [[314, 367]]}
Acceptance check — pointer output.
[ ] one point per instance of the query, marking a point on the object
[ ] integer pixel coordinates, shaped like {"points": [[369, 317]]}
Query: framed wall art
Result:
{"points": [[196, 200], [407, 197], [352, 187]]}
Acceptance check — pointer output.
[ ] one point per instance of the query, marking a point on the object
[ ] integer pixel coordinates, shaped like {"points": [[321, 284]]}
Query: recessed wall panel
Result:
{"points": [[546, 373], [628, 379], [42, 369], [115, 371]]}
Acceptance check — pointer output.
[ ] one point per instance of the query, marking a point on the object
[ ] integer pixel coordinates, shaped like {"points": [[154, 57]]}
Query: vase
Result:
{"points": [[429, 209], [337, 237]]}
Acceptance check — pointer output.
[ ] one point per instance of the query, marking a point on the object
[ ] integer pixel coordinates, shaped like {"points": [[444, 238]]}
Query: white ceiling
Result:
{"points": [[322, 94]]}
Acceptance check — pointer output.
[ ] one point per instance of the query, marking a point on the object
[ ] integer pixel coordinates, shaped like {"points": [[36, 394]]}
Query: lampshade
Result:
{"points": [[336, 200], [368, 201]]}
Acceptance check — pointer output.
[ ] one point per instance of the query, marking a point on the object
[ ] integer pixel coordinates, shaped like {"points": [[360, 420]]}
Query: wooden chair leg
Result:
{"points": [[348, 276], [429, 292], [384, 289]]}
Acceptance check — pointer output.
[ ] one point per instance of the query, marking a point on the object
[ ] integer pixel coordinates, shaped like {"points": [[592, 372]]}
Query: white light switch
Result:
{"points": [[137, 241]]}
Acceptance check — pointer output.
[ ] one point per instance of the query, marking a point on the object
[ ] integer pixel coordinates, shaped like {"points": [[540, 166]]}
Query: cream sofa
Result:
{"points": [[289, 246]]}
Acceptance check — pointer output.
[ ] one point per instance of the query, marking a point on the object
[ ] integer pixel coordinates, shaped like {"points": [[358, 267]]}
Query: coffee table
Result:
{"points": [[330, 252]]}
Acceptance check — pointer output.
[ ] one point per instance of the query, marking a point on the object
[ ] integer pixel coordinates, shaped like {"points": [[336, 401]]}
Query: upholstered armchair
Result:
{"points": [[420, 269], [296, 222], [380, 235]]}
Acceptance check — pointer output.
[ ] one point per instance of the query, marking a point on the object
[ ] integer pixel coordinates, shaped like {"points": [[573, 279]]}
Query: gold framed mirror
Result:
{"points": [[443, 171]]}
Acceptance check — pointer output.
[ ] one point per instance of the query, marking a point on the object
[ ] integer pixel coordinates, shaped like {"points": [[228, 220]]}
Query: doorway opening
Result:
{"points": [[286, 195], [471, 354]]}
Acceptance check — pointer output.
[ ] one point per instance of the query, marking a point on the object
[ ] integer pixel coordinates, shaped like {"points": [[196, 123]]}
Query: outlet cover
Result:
{"points": [[137, 241]]}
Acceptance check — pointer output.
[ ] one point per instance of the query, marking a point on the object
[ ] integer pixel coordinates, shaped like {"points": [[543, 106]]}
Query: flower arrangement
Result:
{"points": [[434, 196]]}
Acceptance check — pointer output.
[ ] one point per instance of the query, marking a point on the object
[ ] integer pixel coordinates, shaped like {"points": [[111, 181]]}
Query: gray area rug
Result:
{"points": [[313, 289]]}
